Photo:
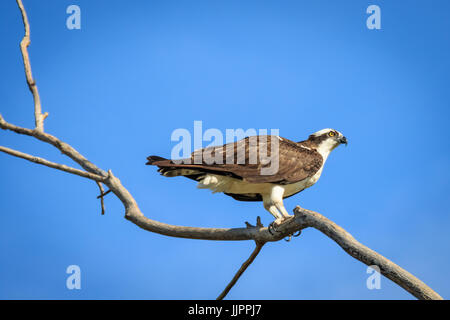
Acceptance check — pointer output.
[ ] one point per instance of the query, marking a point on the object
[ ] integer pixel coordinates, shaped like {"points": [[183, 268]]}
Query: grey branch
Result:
{"points": [[364, 254], [241, 270], [38, 116], [302, 219], [60, 145], [50, 164], [101, 196]]}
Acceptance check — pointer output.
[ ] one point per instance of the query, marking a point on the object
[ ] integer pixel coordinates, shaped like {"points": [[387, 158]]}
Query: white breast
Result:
{"points": [[218, 183], [293, 188]]}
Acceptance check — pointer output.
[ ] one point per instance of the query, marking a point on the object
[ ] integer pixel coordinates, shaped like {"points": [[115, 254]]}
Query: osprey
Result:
{"points": [[242, 169]]}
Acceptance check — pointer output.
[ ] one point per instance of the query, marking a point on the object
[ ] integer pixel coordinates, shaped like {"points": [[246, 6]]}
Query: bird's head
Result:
{"points": [[326, 140]]}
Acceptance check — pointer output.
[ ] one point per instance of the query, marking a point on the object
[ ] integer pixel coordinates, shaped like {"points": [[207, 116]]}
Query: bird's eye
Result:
{"points": [[331, 134]]}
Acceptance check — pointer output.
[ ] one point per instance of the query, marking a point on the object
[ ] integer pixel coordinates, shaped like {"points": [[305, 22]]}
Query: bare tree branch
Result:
{"points": [[241, 270], [53, 165], [302, 219], [364, 254], [38, 116], [102, 194], [60, 145]]}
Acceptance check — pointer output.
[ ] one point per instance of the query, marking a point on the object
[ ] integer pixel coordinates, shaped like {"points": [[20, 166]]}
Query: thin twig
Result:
{"points": [[102, 194], [50, 164], [241, 270], [38, 116]]}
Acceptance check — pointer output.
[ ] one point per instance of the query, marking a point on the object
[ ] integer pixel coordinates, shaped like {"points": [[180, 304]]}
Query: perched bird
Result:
{"points": [[257, 168]]}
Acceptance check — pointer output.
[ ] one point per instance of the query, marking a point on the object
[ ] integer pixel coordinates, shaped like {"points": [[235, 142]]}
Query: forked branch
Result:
{"points": [[241, 270], [53, 165]]}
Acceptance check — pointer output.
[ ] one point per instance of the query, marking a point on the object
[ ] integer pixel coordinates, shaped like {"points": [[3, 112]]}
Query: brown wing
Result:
{"points": [[251, 159], [285, 161]]}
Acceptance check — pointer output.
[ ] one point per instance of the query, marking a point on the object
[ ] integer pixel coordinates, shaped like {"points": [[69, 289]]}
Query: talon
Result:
{"points": [[297, 234], [289, 238], [270, 227], [274, 225]]}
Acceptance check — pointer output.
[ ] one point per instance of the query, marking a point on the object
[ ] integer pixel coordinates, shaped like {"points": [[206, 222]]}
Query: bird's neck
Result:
{"points": [[324, 148]]}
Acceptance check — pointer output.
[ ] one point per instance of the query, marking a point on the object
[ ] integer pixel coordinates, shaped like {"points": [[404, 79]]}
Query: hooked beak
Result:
{"points": [[343, 140]]}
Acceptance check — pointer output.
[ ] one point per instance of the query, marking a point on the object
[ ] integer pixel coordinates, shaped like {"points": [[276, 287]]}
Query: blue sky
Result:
{"points": [[135, 72]]}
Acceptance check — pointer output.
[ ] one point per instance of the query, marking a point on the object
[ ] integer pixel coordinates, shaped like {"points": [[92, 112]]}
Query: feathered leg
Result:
{"points": [[274, 204]]}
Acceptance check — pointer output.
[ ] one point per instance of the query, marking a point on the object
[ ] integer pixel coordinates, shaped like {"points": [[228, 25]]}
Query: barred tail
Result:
{"points": [[169, 169], [153, 159]]}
